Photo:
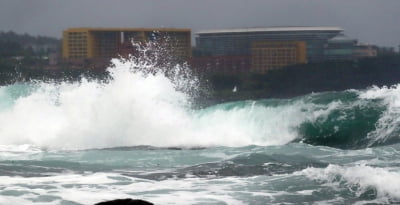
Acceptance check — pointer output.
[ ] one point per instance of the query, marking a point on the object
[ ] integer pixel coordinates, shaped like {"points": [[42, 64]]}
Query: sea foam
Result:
{"points": [[143, 102], [140, 103], [360, 179]]}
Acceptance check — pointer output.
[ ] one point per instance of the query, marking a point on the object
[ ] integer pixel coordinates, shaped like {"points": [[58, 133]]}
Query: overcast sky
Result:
{"points": [[370, 21]]}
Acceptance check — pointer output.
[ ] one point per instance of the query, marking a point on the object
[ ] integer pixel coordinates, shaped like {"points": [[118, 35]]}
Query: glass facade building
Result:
{"points": [[340, 47], [238, 42]]}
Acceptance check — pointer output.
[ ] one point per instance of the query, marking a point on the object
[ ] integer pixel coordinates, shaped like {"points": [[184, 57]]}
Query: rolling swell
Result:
{"points": [[360, 120], [350, 119], [347, 126]]}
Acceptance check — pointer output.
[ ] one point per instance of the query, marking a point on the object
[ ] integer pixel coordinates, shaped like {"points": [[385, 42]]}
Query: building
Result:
{"points": [[101, 43], [340, 48], [267, 55], [365, 51], [238, 42], [221, 64]]}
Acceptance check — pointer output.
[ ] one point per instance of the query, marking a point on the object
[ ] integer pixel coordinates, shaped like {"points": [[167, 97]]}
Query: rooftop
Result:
{"points": [[342, 39], [270, 29], [83, 29]]}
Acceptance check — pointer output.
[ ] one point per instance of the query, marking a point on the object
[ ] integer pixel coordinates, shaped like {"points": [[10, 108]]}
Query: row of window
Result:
{"points": [[274, 54], [76, 36], [273, 63], [293, 55]]}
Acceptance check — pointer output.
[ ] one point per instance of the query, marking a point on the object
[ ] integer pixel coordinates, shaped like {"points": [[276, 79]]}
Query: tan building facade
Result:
{"points": [[86, 43], [267, 55]]}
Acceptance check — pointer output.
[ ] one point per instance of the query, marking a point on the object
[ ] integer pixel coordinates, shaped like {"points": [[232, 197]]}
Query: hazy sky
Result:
{"points": [[371, 21]]}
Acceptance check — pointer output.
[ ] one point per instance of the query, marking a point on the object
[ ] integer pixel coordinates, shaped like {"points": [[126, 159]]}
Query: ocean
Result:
{"points": [[137, 134]]}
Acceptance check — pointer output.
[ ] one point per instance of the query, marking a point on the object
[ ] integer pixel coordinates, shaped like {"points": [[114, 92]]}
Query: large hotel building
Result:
{"points": [[95, 43], [223, 51], [262, 49]]}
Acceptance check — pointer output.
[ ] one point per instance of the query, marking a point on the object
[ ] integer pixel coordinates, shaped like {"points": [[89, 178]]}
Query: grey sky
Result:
{"points": [[371, 21]]}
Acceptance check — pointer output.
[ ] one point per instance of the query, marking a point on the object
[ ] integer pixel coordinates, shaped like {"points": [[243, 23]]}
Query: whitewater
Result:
{"points": [[137, 134]]}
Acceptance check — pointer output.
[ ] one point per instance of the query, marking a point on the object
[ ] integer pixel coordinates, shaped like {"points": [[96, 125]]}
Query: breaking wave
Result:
{"points": [[144, 103]]}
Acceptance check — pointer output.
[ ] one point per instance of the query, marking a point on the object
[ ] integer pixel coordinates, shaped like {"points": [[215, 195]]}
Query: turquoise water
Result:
{"points": [[137, 135], [291, 173]]}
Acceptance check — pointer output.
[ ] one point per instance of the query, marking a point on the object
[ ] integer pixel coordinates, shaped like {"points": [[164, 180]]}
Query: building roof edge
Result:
{"points": [[270, 29], [125, 29]]}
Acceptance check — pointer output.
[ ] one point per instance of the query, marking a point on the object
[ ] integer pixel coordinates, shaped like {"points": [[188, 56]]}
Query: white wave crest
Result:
{"points": [[389, 122], [144, 103], [360, 178]]}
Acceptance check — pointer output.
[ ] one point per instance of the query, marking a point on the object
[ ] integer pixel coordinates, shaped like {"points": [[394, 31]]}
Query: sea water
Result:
{"points": [[137, 134]]}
